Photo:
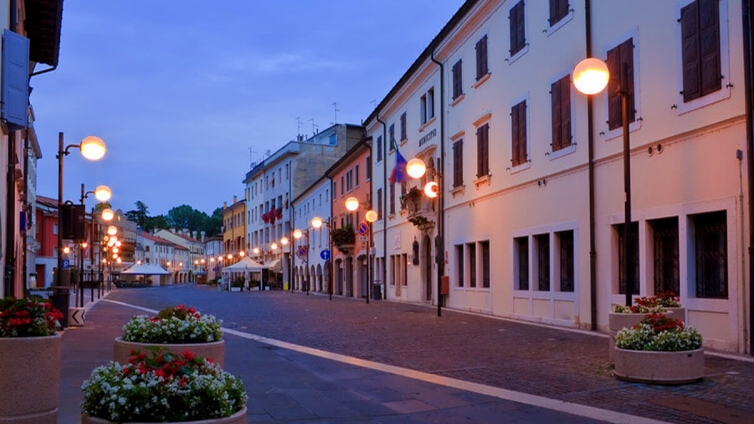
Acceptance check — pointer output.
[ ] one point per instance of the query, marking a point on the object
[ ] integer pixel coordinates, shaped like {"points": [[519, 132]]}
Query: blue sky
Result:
{"points": [[185, 93]]}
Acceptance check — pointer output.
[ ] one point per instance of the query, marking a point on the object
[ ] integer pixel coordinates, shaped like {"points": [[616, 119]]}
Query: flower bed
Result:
{"points": [[163, 388]]}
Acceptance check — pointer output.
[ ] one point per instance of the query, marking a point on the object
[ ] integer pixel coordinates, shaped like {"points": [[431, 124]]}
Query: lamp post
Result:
{"points": [[317, 223], [103, 194], [416, 168], [284, 242], [590, 77], [297, 234], [352, 204], [92, 148]]}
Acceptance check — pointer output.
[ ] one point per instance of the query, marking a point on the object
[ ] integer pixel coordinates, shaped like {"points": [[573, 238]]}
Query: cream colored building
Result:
{"points": [[532, 195]]}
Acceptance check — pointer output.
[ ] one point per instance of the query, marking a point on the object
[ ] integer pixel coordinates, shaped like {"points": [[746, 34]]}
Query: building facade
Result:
{"points": [[529, 218]]}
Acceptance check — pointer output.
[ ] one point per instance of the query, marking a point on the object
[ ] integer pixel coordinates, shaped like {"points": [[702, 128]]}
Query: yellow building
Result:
{"points": [[234, 230]]}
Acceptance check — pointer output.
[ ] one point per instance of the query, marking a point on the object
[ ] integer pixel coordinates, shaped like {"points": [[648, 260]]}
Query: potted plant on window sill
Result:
{"points": [[30, 360], [410, 200], [344, 238], [660, 350], [176, 329]]}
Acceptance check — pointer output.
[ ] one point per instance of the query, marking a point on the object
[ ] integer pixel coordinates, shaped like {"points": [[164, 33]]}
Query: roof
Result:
{"points": [[156, 239], [42, 25]]}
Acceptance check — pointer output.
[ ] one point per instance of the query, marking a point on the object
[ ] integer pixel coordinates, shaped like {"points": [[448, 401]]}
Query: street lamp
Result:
{"points": [[317, 223], [92, 148], [352, 203], [297, 234], [590, 77], [416, 168], [102, 193]]}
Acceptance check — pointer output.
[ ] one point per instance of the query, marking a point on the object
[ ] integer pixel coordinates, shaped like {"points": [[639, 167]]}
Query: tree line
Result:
{"points": [[179, 217]]}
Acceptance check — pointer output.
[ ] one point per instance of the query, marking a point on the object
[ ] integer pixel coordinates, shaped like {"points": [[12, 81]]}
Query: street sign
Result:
{"points": [[363, 239], [302, 251], [363, 228], [324, 254], [66, 264]]}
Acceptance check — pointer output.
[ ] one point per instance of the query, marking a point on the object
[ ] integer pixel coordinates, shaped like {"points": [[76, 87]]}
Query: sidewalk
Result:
{"points": [[511, 357]]}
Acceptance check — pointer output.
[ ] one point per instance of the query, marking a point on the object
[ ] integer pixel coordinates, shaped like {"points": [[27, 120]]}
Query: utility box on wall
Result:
{"points": [[445, 285]]}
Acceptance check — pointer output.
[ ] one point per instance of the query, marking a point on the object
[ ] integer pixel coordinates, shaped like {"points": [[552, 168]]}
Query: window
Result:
{"points": [[427, 106], [710, 255], [368, 170], [458, 163], [700, 33], [620, 64], [481, 58], [482, 151], [665, 255], [379, 203], [342, 186], [349, 180], [391, 135], [558, 11], [379, 148], [634, 258], [392, 198], [566, 259], [404, 269], [403, 127], [517, 28], [457, 80], [542, 244], [521, 262], [485, 247], [472, 264], [518, 134], [560, 98], [334, 189], [459, 261], [356, 175]]}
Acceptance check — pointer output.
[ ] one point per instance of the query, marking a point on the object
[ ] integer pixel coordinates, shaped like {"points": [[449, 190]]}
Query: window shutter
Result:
{"points": [[613, 98], [457, 80], [481, 58], [15, 83], [513, 26], [558, 10], [485, 68], [565, 111], [479, 153], [690, 48], [522, 132], [458, 163], [619, 61], [709, 38], [486, 148], [627, 65], [555, 94], [520, 26], [403, 126]]}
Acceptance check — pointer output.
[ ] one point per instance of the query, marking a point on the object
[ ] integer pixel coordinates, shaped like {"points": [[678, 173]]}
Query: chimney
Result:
{"points": [[225, 205], [202, 234], [235, 199]]}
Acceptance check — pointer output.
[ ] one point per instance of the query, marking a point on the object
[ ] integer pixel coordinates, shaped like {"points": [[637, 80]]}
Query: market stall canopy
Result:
{"points": [[276, 265], [245, 265], [144, 269]]}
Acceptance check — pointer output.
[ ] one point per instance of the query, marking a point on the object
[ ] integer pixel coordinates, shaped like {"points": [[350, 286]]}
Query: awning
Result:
{"points": [[276, 265]]}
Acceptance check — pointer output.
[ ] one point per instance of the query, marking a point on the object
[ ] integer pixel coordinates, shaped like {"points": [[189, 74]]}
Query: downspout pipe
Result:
{"points": [[748, 41], [590, 153], [384, 205], [440, 246]]}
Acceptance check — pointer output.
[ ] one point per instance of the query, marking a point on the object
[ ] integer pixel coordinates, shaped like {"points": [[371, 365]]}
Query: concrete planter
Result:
{"points": [[30, 383], [237, 418], [214, 350], [643, 366], [618, 322]]}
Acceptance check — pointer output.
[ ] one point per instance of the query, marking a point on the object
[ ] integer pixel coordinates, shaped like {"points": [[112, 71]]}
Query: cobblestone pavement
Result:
{"points": [[550, 362]]}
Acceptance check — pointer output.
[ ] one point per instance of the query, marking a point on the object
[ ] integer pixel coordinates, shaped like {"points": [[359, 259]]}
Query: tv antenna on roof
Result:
{"points": [[314, 127], [299, 124], [335, 106], [251, 157]]}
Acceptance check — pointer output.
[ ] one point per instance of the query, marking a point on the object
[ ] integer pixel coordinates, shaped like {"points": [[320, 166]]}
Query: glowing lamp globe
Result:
{"points": [[352, 204], [284, 241], [371, 216], [93, 148], [590, 76], [317, 222], [112, 230], [297, 234], [416, 168], [108, 214], [432, 189], [103, 193]]}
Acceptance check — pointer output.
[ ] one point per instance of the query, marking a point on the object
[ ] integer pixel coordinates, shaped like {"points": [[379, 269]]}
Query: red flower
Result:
{"points": [[188, 355]]}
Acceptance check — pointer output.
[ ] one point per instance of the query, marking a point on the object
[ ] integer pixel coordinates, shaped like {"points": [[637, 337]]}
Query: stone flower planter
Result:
{"points": [[686, 366], [619, 321], [30, 383], [215, 350], [237, 418]]}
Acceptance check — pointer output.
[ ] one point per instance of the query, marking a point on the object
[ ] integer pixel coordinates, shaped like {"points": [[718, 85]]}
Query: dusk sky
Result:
{"points": [[186, 93]]}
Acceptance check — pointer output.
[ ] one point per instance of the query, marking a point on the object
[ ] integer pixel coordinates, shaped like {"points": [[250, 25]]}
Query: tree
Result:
{"points": [[139, 215]]}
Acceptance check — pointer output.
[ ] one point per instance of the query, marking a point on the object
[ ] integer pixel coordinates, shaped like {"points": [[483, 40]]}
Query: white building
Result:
{"points": [[310, 264], [272, 183], [532, 174], [194, 244]]}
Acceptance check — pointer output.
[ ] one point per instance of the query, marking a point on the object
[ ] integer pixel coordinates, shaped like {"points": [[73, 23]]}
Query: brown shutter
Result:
{"points": [[479, 153], [458, 163], [522, 132], [613, 98], [620, 63], [486, 149], [514, 135], [457, 82], [558, 10], [521, 25], [690, 49], [555, 94], [513, 25], [565, 111], [627, 75], [517, 27], [709, 40], [481, 58]]}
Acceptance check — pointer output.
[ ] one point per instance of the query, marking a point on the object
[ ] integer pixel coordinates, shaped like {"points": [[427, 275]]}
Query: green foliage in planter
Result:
{"points": [[343, 236], [253, 283], [238, 282], [657, 332]]}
